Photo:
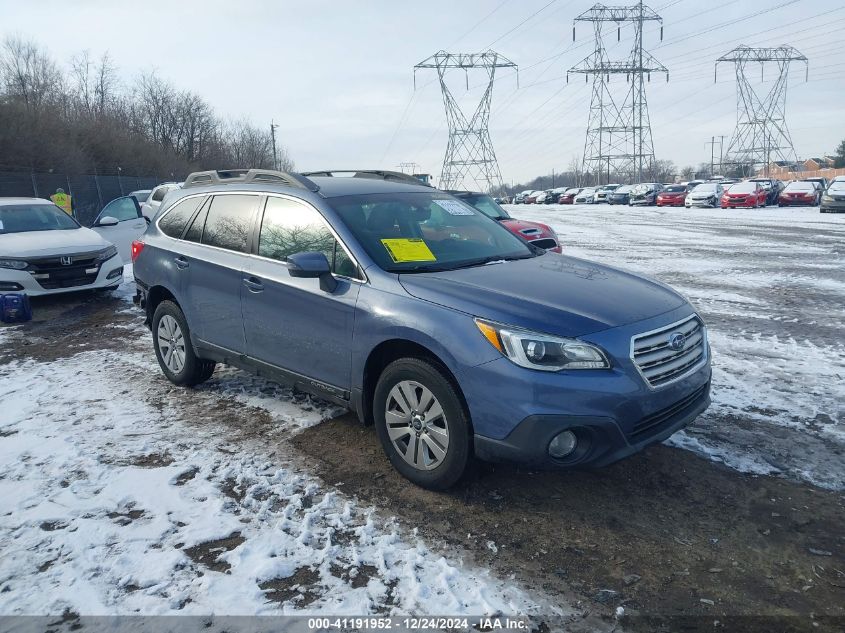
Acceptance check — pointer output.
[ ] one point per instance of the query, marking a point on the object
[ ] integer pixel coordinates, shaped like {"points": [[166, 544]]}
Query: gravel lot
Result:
{"points": [[279, 503]]}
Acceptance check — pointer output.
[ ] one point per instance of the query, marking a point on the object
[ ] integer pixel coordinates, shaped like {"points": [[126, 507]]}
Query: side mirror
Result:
{"points": [[107, 220], [312, 265]]}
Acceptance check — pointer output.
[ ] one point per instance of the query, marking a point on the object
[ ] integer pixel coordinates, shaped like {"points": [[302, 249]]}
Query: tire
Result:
{"points": [[172, 343], [437, 446]]}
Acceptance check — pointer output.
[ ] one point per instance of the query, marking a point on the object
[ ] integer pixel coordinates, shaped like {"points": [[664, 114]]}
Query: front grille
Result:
{"points": [[546, 243], [656, 421], [659, 362], [50, 273]]}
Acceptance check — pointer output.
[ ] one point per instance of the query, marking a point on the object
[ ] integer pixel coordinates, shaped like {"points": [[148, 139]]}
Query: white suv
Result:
{"points": [[150, 206]]}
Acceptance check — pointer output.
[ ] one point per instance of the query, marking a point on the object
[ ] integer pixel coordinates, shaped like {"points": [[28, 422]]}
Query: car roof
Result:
{"points": [[11, 201]]}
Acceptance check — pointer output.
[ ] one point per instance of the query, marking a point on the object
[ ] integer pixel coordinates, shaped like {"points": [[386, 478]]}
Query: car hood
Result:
{"points": [[45, 243], [518, 225], [550, 293]]}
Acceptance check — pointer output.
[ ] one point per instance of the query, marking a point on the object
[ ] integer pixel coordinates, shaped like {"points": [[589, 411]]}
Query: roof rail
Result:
{"points": [[248, 176], [377, 174]]}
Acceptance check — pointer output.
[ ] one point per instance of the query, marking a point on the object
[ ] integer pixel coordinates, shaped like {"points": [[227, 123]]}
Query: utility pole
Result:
{"points": [[273, 127], [469, 152], [712, 145], [618, 130]]}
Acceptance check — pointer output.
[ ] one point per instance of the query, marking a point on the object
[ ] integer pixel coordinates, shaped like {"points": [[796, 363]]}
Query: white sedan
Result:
{"points": [[44, 251]]}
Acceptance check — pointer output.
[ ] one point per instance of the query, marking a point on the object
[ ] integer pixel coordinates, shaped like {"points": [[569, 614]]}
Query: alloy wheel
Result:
{"points": [[171, 343], [416, 425]]}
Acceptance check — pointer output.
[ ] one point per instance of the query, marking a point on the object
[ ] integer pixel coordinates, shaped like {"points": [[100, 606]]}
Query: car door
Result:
{"points": [[290, 322], [130, 224], [211, 259]]}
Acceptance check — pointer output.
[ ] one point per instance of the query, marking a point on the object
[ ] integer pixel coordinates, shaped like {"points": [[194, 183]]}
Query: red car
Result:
{"points": [[800, 192], [748, 194], [568, 196], [541, 235], [672, 196], [531, 198]]}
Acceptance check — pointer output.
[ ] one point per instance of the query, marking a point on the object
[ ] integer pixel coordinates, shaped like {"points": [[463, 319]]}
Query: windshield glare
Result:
{"points": [[743, 187], [23, 218], [800, 186], [487, 206], [705, 188], [420, 232], [837, 185]]}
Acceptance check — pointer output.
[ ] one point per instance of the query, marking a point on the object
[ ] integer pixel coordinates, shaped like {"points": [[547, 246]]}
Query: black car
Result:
{"points": [[620, 195], [773, 188]]}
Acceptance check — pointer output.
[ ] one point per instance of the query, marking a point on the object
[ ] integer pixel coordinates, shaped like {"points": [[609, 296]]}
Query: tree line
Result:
{"points": [[80, 118]]}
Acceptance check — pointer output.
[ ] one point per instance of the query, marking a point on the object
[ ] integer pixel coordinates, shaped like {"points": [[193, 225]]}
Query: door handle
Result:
{"points": [[253, 285], [181, 263]]}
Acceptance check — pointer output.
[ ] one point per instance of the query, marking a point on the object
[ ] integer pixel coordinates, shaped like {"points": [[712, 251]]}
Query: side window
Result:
{"points": [[289, 227], [122, 209], [229, 222], [194, 232], [173, 222]]}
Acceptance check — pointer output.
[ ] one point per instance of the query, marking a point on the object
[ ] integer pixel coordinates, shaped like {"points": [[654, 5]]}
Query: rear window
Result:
{"points": [[174, 221], [229, 221], [158, 194], [675, 189]]}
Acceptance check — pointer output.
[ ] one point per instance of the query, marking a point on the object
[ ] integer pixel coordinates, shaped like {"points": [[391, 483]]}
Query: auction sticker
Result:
{"points": [[408, 250], [453, 207]]}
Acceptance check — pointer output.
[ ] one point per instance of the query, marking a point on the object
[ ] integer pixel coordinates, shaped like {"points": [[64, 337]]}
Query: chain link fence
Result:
{"points": [[90, 193]]}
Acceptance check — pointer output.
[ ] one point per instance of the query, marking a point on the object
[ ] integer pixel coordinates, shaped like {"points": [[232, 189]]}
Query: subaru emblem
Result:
{"points": [[66, 260], [677, 340]]}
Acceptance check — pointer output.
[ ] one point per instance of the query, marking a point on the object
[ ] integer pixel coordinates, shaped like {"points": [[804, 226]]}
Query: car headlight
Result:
{"points": [[827, 199], [15, 264], [107, 253], [542, 351]]}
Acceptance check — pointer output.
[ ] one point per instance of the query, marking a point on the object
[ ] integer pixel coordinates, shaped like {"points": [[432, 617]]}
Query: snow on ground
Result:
{"points": [[770, 284], [118, 495]]}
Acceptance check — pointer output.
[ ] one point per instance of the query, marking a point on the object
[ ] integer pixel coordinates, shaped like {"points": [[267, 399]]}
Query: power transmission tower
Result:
{"points": [[761, 135], [619, 132], [408, 167], [469, 152]]}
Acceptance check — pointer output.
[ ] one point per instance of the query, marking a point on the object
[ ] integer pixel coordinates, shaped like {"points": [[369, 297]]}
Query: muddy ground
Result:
{"points": [[665, 533]]}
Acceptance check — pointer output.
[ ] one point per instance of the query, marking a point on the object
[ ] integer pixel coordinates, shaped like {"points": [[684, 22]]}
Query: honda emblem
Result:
{"points": [[66, 260]]}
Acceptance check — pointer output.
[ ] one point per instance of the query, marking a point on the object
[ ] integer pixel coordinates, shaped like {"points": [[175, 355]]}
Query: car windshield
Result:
{"points": [[425, 232], [643, 188], [572, 192], [23, 218], [743, 187], [587, 192], [765, 184], [624, 189], [837, 185], [800, 186], [675, 189], [486, 205], [705, 187]]}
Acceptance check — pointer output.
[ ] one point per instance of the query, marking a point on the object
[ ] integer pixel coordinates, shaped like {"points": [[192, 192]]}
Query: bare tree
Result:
{"points": [[28, 73]]}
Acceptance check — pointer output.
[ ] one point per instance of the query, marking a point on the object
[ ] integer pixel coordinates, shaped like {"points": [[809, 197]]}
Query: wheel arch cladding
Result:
{"points": [[391, 350], [155, 296]]}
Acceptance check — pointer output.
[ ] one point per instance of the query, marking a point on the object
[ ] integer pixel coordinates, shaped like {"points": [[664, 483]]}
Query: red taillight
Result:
{"points": [[137, 247]]}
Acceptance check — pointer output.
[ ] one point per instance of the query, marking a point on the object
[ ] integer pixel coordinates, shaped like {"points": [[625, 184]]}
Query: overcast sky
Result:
{"points": [[337, 76]]}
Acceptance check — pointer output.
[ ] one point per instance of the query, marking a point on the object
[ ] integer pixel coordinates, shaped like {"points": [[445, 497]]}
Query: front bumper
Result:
{"points": [[700, 202], [614, 412], [109, 275], [601, 441], [832, 206], [671, 202]]}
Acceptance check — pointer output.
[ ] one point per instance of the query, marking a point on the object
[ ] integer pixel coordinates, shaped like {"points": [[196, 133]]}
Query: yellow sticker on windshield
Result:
{"points": [[408, 250]]}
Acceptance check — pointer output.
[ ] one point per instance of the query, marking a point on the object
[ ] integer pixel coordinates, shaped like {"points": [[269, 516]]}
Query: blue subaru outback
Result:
{"points": [[424, 316]]}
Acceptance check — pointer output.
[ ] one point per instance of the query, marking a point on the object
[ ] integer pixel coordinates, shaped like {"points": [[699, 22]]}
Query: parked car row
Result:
{"points": [[726, 193]]}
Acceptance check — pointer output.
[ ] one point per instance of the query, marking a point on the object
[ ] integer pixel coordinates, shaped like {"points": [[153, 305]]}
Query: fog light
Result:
{"points": [[563, 444], [117, 272]]}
